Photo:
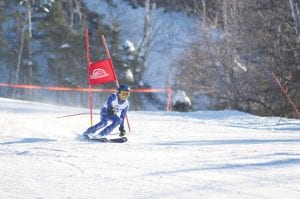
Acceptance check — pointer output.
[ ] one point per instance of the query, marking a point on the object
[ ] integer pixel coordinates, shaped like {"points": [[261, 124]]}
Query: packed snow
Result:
{"points": [[207, 154]]}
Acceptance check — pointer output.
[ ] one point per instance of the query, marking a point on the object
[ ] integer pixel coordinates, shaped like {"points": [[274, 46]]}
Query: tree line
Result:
{"points": [[43, 43]]}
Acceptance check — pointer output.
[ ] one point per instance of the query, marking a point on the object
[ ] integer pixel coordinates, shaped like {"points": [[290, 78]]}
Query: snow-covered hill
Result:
{"points": [[218, 154]]}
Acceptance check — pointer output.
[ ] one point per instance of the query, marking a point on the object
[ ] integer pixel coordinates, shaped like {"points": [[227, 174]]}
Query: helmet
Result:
{"points": [[123, 91], [123, 87]]}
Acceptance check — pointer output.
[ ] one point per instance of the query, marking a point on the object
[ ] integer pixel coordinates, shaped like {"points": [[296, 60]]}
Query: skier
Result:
{"points": [[114, 110]]}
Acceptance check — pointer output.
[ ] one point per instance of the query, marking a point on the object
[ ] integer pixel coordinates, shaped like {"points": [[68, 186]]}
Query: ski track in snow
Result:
{"points": [[207, 154]]}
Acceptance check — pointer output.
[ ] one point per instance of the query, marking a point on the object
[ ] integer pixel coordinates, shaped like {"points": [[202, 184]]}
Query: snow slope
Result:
{"points": [[209, 154]]}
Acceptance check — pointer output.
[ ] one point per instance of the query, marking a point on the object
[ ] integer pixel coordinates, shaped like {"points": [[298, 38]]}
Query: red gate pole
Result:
{"points": [[286, 94], [169, 99], [117, 82], [88, 65], [169, 94]]}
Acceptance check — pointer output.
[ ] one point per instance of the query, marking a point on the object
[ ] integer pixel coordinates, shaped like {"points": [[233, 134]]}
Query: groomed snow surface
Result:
{"points": [[209, 154]]}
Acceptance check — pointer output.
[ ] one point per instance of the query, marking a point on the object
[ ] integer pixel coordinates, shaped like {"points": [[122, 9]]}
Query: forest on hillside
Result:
{"points": [[228, 63]]}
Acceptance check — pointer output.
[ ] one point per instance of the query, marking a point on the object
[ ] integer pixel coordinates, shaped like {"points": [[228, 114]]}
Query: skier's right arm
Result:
{"points": [[109, 108]]}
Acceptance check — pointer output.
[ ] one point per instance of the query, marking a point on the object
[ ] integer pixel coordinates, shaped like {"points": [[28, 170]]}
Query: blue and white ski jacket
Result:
{"points": [[120, 106]]}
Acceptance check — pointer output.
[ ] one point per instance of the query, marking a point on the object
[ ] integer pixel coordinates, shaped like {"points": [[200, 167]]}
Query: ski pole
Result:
{"points": [[72, 115]]}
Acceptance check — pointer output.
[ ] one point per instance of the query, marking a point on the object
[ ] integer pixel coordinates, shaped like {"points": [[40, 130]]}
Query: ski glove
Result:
{"points": [[122, 131], [110, 111]]}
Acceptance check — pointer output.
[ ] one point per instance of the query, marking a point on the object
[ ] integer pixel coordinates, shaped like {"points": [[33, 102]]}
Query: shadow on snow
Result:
{"points": [[27, 140], [226, 142], [269, 164]]}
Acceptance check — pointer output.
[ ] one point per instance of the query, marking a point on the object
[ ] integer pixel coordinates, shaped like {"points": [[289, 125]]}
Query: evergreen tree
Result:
{"points": [[3, 49], [56, 33], [2, 19]]}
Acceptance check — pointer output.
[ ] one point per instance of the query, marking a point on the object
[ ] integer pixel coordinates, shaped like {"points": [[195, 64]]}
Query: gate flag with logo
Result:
{"points": [[101, 72]]}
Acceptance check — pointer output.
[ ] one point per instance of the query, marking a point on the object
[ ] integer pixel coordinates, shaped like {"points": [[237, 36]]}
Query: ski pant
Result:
{"points": [[116, 120]]}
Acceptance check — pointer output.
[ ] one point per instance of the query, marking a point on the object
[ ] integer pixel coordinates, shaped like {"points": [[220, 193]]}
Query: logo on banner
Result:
{"points": [[99, 73]]}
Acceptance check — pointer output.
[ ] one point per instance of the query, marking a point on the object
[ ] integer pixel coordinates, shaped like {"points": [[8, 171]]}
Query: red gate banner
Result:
{"points": [[101, 72]]}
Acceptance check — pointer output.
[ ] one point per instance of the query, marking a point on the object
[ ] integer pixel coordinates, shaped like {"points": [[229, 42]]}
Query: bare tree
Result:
{"points": [[147, 38], [236, 55], [73, 9], [294, 5], [20, 53]]}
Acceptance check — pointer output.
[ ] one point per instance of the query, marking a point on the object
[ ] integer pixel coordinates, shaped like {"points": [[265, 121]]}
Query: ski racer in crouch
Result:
{"points": [[114, 110]]}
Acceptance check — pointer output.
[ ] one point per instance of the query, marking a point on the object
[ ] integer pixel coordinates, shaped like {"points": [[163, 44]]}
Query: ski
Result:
{"points": [[112, 140], [118, 140]]}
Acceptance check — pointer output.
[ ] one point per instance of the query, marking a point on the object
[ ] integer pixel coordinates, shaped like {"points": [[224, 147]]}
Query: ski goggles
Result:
{"points": [[124, 94]]}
